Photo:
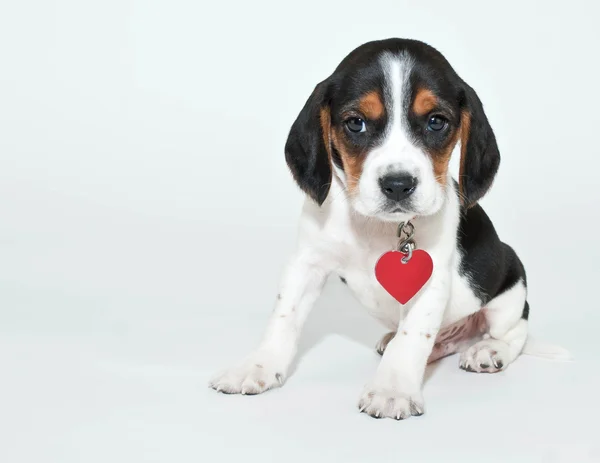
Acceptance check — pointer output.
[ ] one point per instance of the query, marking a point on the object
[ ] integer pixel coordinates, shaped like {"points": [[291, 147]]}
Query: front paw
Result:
{"points": [[254, 376], [381, 400]]}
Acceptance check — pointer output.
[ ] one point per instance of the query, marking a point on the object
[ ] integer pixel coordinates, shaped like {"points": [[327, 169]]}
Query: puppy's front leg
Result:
{"points": [[268, 365], [395, 391]]}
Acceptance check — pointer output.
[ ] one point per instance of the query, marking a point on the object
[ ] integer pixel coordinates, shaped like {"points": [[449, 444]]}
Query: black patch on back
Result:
{"points": [[492, 266]]}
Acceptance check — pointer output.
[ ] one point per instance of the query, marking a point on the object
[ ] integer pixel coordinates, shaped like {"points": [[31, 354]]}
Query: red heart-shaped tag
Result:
{"points": [[401, 280]]}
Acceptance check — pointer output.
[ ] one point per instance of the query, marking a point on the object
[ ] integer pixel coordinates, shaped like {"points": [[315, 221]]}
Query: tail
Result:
{"points": [[545, 350]]}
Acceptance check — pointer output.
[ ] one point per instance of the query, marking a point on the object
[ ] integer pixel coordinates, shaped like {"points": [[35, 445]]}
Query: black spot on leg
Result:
{"points": [[343, 280]]}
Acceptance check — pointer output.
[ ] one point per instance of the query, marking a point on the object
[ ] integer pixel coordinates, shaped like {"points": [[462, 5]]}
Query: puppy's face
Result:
{"points": [[386, 123]]}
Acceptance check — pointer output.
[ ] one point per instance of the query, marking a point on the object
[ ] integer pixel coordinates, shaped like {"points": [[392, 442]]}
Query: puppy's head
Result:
{"points": [[386, 122]]}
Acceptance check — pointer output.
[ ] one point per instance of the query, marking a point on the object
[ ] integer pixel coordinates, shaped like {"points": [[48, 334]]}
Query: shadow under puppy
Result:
{"points": [[371, 149]]}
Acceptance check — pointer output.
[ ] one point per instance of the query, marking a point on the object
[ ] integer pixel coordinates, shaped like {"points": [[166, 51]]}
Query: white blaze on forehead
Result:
{"points": [[398, 153], [396, 69]]}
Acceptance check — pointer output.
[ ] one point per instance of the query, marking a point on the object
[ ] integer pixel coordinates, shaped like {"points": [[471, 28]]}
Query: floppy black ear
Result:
{"points": [[479, 158], [308, 144]]}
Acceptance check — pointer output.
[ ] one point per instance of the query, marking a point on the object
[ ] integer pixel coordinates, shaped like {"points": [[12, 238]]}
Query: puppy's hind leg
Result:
{"points": [[506, 317], [451, 339], [459, 336]]}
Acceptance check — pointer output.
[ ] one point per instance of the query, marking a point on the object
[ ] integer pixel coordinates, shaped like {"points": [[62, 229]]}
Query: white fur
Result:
{"points": [[346, 236]]}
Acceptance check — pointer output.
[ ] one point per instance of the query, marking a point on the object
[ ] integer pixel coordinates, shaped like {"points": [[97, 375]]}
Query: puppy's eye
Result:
{"points": [[356, 125], [437, 123]]}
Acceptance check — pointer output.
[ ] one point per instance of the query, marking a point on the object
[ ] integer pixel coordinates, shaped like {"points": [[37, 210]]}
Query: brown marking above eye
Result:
{"points": [[424, 102], [371, 106]]}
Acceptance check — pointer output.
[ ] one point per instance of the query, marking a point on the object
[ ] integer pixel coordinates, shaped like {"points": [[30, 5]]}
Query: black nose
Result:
{"points": [[398, 186]]}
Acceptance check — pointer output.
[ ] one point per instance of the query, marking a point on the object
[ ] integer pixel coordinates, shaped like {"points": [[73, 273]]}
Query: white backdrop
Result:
{"points": [[146, 212]]}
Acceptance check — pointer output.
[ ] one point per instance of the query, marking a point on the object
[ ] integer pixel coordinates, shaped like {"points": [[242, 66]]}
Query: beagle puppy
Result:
{"points": [[370, 148]]}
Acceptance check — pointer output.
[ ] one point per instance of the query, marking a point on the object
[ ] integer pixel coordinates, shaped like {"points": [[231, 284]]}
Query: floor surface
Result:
{"points": [[115, 367]]}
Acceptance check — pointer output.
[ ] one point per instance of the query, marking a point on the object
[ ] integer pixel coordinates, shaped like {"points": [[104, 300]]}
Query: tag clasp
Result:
{"points": [[406, 243]]}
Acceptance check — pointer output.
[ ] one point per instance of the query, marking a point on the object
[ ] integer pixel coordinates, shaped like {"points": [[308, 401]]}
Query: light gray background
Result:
{"points": [[146, 212]]}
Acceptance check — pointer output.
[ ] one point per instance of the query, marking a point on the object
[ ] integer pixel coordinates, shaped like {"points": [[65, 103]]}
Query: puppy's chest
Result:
{"points": [[357, 267]]}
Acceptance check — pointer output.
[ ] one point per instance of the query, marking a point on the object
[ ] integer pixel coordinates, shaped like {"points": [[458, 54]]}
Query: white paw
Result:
{"points": [[387, 401], [487, 356], [255, 376]]}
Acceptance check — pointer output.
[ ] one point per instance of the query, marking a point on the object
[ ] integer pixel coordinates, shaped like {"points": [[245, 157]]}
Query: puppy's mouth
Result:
{"points": [[394, 213], [393, 207]]}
